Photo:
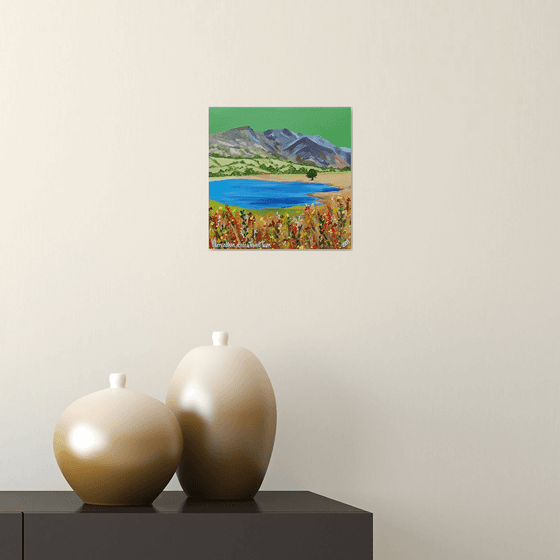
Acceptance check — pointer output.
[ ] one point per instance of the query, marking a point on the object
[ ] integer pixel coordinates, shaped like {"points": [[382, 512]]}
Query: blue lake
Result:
{"points": [[250, 193]]}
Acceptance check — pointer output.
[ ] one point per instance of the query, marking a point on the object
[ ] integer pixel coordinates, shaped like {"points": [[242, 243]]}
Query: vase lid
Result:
{"points": [[220, 338], [117, 380]]}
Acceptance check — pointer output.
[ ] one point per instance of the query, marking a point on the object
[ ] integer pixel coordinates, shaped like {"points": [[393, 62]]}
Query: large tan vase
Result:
{"points": [[225, 404], [118, 447]]}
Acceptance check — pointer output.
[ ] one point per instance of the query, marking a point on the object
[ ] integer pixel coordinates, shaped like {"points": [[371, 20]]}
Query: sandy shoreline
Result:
{"points": [[342, 181]]}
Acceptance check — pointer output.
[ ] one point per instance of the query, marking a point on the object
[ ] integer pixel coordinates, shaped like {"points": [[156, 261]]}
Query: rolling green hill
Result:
{"points": [[221, 166]]}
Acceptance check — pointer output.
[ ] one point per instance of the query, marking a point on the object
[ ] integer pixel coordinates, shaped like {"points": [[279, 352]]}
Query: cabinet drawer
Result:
{"points": [[11, 528], [217, 536]]}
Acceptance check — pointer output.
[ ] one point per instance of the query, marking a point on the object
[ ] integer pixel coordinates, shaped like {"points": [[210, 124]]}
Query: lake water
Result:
{"points": [[250, 193]]}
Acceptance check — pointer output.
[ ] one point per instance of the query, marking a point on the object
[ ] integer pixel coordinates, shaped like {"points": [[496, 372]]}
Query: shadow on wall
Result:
{"points": [[326, 425], [391, 542]]}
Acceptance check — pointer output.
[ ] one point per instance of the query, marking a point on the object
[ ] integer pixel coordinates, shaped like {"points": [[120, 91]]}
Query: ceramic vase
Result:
{"points": [[225, 405], [117, 447]]}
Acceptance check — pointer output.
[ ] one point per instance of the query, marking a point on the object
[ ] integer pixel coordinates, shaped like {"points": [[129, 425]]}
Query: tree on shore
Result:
{"points": [[311, 174]]}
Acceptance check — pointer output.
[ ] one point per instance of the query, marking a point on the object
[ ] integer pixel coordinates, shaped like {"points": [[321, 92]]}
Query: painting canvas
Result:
{"points": [[280, 178]]}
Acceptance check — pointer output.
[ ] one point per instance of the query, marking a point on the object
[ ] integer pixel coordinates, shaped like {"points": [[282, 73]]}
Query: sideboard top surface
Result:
{"points": [[175, 502]]}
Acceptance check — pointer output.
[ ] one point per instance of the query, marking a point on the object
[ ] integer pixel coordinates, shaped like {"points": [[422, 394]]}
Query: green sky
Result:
{"points": [[332, 123]]}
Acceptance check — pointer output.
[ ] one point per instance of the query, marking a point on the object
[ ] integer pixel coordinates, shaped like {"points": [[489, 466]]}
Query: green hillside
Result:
{"points": [[291, 210], [221, 166]]}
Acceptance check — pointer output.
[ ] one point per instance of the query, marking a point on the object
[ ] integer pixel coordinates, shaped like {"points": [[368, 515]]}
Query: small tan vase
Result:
{"points": [[226, 408], [117, 447]]}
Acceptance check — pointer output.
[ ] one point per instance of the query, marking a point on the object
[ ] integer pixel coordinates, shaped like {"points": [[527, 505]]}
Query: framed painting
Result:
{"points": [[280, 178]]}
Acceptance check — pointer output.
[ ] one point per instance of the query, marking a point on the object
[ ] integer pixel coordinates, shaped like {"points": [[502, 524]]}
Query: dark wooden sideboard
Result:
{"points": [[273, 526]]}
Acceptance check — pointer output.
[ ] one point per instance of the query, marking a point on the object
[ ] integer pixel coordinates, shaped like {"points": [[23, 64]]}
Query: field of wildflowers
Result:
{"points": [[325, 226]]}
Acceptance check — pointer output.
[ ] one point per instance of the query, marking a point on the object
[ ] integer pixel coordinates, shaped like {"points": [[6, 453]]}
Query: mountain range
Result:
{"points": [[282, 143]]}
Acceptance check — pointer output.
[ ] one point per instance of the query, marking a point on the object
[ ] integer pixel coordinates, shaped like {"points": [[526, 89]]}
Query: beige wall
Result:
{"points": [[416, 375]]}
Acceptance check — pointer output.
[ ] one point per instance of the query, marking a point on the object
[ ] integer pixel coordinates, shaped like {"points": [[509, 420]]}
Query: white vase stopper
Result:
{"points": [[220, 338], [117, 380]]}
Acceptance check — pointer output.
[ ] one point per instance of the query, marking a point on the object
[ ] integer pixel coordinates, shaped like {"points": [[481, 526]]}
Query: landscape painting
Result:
{"points": [[280, 178]]}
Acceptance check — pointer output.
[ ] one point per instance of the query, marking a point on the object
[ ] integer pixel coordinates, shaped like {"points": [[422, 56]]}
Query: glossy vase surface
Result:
{"points": [[118, 447], [225, 405]]}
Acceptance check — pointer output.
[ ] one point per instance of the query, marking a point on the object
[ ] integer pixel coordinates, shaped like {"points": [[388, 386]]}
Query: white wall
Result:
{"points": [[416, 375]]}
